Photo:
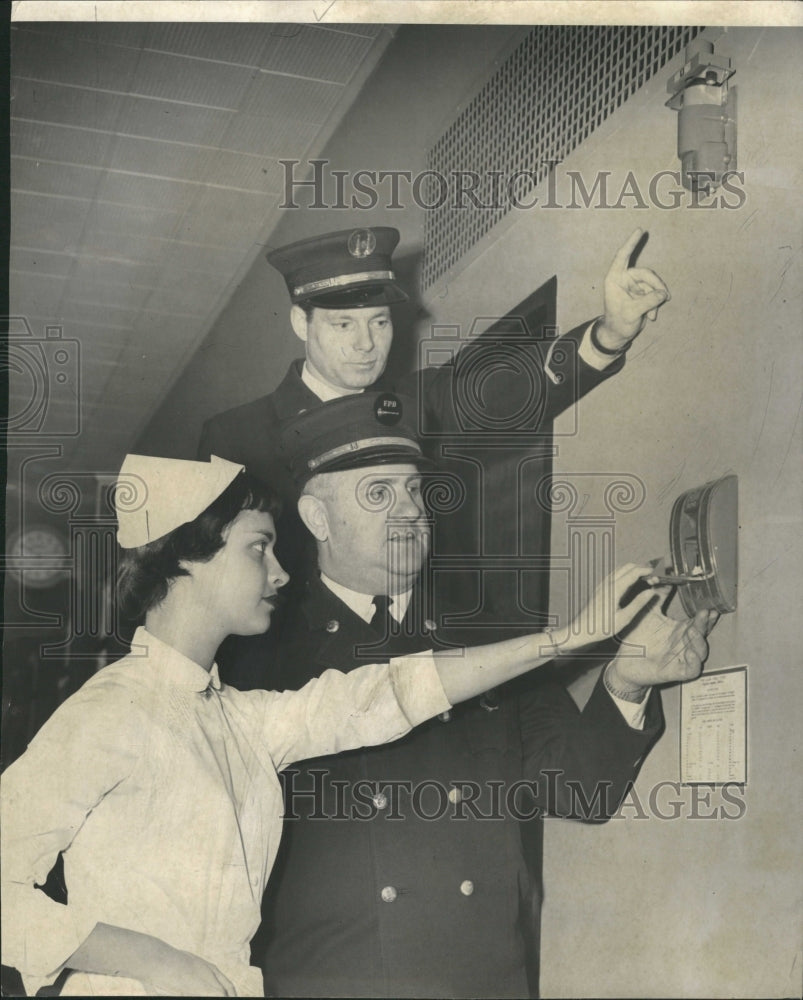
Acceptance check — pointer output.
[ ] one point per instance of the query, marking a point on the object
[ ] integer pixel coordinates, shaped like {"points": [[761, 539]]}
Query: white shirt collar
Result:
{"points": [[172, 667], [323, 390], [363, 604]]}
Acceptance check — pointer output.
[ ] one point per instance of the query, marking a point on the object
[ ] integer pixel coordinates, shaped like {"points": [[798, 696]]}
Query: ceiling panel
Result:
{"points": [[175, 122], [194, 81], [267, 134], [127, 188], [247, 172], [225, 202], [319, 55], [132, 220], [45, 290], [130, 34], [121, 245], [310, 100], [236, 229], [105, 293], [79, 107], [40, 262], [59, 143], [145, 181], [77, 311], [239, 44], [49, 223], [180, 299], [130, 273], [52, 57], [65, 180], [197, 257], [161, 159], [89, 335]]}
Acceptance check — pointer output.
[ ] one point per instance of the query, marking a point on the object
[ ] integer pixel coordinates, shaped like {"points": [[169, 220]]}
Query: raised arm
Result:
{"points": [[504, 374], [482, 667], [379, 703]]}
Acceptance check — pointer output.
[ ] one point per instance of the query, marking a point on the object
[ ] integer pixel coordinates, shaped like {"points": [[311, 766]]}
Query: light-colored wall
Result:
{"points": [[689, 907], [686, 907]]}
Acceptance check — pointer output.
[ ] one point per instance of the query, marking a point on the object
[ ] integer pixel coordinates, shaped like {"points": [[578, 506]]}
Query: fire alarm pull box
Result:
{"points": [[704, 543]]}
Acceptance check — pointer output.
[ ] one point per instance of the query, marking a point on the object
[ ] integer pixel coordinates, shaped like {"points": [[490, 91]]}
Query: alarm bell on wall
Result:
{"points": [[706, 116], [704, 542]]}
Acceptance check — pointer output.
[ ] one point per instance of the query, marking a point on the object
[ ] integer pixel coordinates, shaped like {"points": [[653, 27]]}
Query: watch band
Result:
{"points": [[556, 650], [632, 696]]}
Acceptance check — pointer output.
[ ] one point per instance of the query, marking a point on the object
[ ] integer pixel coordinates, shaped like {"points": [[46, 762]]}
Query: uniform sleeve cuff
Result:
{"points": [[418, 687], [633, 712], [588, 352]]}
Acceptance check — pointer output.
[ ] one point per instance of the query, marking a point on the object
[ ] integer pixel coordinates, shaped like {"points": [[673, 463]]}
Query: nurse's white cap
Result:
{"points": [[155, 495]]}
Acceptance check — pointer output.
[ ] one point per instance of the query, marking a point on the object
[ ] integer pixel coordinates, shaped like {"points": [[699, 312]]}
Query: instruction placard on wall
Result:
{"points": [[713, 728]]}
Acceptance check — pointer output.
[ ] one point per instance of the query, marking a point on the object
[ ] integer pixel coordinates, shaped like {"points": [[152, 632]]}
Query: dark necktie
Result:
{"points": [[382, 621]]}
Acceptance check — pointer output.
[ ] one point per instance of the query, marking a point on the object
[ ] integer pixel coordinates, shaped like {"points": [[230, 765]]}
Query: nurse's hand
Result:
{"points": [[165, 971], [607, 613], [181, 974]]}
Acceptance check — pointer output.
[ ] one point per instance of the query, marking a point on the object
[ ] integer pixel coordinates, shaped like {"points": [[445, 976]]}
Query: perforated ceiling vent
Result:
{"points": [[548, 96]]}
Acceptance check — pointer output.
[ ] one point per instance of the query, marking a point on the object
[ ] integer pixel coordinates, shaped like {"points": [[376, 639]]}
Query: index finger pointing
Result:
{"points": [[622, 258]]}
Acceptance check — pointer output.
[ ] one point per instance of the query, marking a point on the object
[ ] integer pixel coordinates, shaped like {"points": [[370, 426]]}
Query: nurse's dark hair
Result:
{"points": [[145, 572]]}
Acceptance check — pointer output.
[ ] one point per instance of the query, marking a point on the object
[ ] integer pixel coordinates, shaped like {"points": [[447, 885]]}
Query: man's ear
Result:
{"points": [[314, 515], [298, 321]]}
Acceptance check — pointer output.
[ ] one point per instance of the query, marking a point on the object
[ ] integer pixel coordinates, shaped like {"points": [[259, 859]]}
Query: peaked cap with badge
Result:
{"points": [[351, 433], [349, 269]]}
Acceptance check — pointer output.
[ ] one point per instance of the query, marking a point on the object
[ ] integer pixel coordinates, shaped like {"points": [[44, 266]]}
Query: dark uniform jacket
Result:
{"points": [[429, 887]]}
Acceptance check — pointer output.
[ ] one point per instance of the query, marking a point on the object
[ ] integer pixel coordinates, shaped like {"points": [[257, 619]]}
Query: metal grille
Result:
{"points": [[548, 96]]}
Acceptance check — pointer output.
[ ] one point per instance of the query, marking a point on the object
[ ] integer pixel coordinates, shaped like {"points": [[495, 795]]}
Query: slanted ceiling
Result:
{"points": [[144, 182]]}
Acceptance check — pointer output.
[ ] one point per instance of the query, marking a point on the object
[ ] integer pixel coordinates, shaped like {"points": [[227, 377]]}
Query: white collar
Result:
{"points": [[323, 390], [172, 667], [363, 604]]}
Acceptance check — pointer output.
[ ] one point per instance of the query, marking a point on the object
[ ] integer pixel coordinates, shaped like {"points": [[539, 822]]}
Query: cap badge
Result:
{"points": [[388, 409], [362, 243]]}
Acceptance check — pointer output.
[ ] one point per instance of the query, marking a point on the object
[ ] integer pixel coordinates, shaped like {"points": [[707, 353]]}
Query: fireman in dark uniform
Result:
{"points": [[413, 870]]}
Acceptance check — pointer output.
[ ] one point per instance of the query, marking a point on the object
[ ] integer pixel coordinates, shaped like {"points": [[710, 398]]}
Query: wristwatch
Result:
{"points": [[634, 696]]}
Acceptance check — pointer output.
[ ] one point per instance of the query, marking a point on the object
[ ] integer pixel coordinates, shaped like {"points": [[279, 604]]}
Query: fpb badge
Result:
{"points": [[388, 409]]}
